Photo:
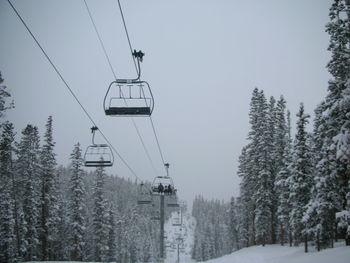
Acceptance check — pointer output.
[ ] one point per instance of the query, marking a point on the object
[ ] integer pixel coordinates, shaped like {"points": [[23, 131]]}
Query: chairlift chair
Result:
{"points": [[176, 222], [145, 197], [98, 155], [129, 97], [165, 181]]}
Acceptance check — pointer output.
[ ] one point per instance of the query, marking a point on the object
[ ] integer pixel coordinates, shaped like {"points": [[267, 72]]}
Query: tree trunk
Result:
{"points": [[273, 229], [306, 244], [336, 231], [290, 239]]}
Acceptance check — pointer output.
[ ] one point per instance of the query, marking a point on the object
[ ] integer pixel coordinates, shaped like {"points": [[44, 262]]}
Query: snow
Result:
{"points": [[273, 254], [285, 254], [343, 213], [255, 254]]}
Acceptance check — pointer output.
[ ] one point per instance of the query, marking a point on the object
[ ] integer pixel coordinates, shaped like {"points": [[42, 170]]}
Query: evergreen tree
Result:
{"points": [[300, 180], [263, 191], [62, 250], [246, 203], [4, 95], [331, 185], [211, 235], [242, 225], [27, 170], [76, 205], [48, 196], [7, 203], [283, 159], [233, 225], [111, 242], [99, 216]]}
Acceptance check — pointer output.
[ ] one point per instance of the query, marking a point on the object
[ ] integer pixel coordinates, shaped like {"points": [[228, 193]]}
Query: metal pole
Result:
{"points": [[178, 253], [167, 169], [161, 259]]}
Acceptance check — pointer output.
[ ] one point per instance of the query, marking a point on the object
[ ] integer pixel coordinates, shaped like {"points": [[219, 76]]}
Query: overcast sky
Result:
{"points": [[203, 60]]}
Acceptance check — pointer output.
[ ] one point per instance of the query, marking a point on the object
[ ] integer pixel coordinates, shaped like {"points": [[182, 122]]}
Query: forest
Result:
{"points": [[51, 212], [294, 190]]}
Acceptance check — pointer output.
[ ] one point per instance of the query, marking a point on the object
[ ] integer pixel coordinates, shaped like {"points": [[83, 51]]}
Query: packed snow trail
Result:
{"points": [[285, 254], [255, 254], [267, 254]]}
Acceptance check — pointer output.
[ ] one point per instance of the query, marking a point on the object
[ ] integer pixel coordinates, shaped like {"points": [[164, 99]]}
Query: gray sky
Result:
{"points": [[203, 59]]}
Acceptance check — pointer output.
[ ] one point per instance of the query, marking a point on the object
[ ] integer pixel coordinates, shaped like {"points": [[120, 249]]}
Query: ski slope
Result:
{"points": [[286, 254], [271, 254], [256, 254]]}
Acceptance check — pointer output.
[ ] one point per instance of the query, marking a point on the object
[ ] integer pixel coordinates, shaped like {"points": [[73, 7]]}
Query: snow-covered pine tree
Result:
{"points": [[262, 149], [332, 174], [338, 99], [318, 218], [111, 242], [4, 95], [99, 216], [233, 225], [27, 169], [7, 199], [251, 167], [211, 235], [272, 153], [283, 159], [62, 250], [76, 205], [300, 180], [245, 203], [48, 194], [242, 225]]}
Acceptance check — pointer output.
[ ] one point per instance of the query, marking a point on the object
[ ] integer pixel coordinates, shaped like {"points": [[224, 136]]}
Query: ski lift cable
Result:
{"points": [[131, 49], [155, 134], [115, 77], [127, 36], [70, 90], [100, 39]]}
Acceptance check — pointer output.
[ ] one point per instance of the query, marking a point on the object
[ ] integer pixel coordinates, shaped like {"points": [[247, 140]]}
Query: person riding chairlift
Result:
{"points": [[170, 190], [160, 188]]}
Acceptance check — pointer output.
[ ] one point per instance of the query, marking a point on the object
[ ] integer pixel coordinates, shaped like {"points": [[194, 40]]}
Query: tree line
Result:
{"points": [[51, 212], [294, 189], [212, 236]]}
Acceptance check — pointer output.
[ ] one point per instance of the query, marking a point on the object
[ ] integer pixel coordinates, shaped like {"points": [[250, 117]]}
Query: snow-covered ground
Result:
{"points": [[256, 254], [286, 254], [273, 254]]}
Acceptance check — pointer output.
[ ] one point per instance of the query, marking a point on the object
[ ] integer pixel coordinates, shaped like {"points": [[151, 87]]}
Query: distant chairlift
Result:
{"points": [[98, 155], [145, 197], [166, 182], [172, 202], [177, 220], [129, 97]]}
